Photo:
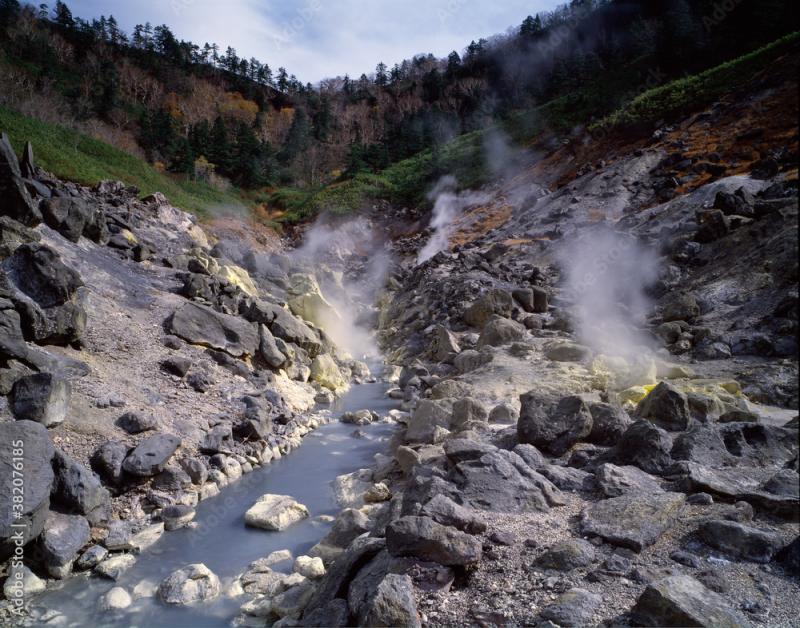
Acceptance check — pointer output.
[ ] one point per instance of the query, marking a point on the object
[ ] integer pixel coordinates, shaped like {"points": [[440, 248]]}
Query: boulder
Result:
{"points": [[67, 215], [200, 324], [79, 491], [503, 413], [268, 349], [741, 541], [634, 520], [325, 372], [27, 445], [680, 307], [17, 202], [491, 302], [609, 423], [349, 489], [445, 511], [176, 516], [615, 481], [41, 397], [275, 512], [12, 341], [423, 538], [461, 449], [114, 566], [196, 470], [470, 360], [107, 461], [428, 416], [62, 539], [137, 422], [350, 523], [683, 601], [193, 583], [644, 445], [565, 351], [308, 567], [393, 603], [667, 407], [444, 344], [567, 555], [554, 429], [500, 331], [92, 557], [151, 455], [293, 330], [13, 235], [575, 608], [467, 411], [22, 583], [116, 599]]}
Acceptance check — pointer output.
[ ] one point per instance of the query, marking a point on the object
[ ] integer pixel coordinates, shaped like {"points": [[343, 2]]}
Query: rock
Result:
{"points": [[428, 415], [177, 365], [66, 215], [470, 360], [193, 583], [176, 516], [615, 481], [500, 331], [107, 461], [196, 469], [444, 345], [393, 603], [680, 307], [634, 520], [377, 493], [199, 324], [789, 557], [424, 538], [350, 488], [532, 456], [348, 525], [116, 599], [667, 407], [608, 424], [741, 541], [567, 478], [268, 349], [17, 202], [172, 479], [361, 417], [553, 429], [564, 351], [291, 603], [646, 446], [275, 512], [503, 413], [218, 440], [92, 557], [135, 422], [445, 511], [461, 449], [683, 601], [466, 411], [714, 224], [494, 301], [151, 455], [26, 444], [79, 491], [576, 607], [293, 330], [686, 559], [62, 539], [567, 555], [311, 568], [41, 397], [334, 614], [22, 583], [325, 372], [114, 566]]}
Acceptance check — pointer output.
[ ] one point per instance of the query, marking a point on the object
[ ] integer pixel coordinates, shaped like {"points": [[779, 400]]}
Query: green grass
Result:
{"points": [[76, 157], [681, 96]]}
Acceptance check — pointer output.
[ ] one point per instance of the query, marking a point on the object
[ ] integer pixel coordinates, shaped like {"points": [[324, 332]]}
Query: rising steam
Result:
{"points": [[605, 275]]}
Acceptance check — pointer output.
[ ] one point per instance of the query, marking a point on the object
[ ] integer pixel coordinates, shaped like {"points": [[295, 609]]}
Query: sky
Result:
{"points": [[316, 39]]}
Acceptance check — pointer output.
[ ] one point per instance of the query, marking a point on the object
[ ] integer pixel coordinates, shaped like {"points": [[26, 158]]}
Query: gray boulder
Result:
{"points": [[466, 411], [202, 325], [137, 422], [615, 481], [445, 345], [667, 407], [107, 461], [393, 603], [151, 455], [575, 608], [644, 445], [268, 349], [567, 555], [79, 491], [609, 423], [193, 583], [554, 429], [500, 331], [423, 538], [67, 215], [494, 301], [41, 397], [741, 541], [445, 511], [63, 537]]}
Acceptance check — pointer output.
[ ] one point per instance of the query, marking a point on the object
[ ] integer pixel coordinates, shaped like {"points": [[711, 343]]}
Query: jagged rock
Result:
{"points": [[428, 415], [67, 215], [466, 411], [41, 397], [683, 601], [92, 557], [291, 603], [268, 349], [199, 324], [61, 540], [114, 566], [565, 351], [116, 599], [714, 224], [667, 407], [275, 512], [325, 372], [334, 614], [135, 422], [615, 481], [17, 202], [176, 365], [293, 330], [77, 490], [13, 235], [576, 608], [567, 555], [424, 538], [680, 307], [532, 456], [634, 520], [151, 455], [500, 331], [349, 488], [107, 461], [193, 583], [470, 360], [608, 424], [196, 469], [702, 443], [644, 445], [554, 429], [461, 449], [445, 511], [311, 568], [35, 454], [393, 603], [377, 493], [741, 541], [172, 479], [494, 301], [444, 345], [218, 440], [502, 481], [789, 556], [567, 478], [350, 523], [503, 413], [12, 341]]}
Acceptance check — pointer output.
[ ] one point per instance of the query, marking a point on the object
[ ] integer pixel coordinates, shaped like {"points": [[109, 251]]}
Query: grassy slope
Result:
{"points": [[76, 157]]}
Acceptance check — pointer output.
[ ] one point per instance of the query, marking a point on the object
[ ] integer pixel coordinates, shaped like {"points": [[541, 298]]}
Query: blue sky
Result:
{"points": [[315, 39]]}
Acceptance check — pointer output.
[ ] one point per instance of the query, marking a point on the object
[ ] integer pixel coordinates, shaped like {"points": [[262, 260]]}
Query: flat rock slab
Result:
{"points": [[151, 455], [683, 601], [201, 325], [634, 521], [615, 481], [275, 512], [424, 538]]}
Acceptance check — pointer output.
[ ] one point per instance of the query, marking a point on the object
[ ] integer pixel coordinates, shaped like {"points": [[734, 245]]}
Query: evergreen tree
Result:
{"points": [[380, 74], [297, 139], [219, 152], [63, 16]]}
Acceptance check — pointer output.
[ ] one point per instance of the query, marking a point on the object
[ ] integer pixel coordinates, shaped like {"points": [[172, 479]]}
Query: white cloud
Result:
{"points": [[315, 39]]}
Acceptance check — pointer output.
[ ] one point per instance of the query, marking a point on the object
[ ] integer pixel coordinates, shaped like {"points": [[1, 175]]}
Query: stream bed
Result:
{"points": [[221, 540]]}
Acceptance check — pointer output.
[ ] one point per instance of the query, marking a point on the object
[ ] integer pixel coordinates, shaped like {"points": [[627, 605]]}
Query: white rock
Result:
{"points": [[114, 566], [275, 512], [349, 488], [116, 599], [311, 568], [22, 582], [146, 588], [193, 583]]}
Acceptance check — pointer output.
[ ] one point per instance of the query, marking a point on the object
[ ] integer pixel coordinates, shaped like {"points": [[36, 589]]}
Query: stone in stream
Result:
{"points": [[202, 325], [114, 566], [116, 599], [424, 538], [633, 520], [554, 429], [311, 568], [34, 454], [193, 583], [275, 512], [177, 516], [41, 397], [326, 373], [92, 557], [22, 582], [683, 601], [667, 407], [349, 489], [151, 455], [62, 539], [741, 541], [576, 608]]}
